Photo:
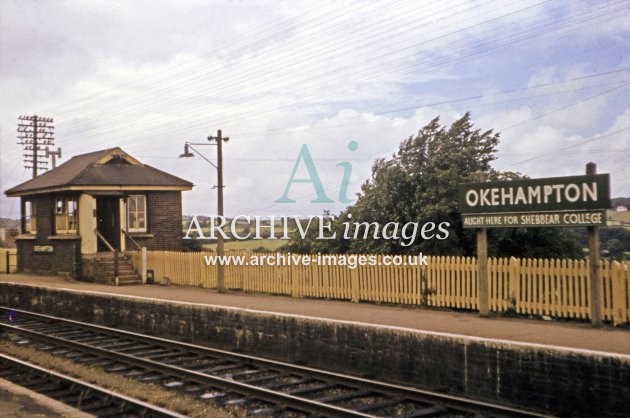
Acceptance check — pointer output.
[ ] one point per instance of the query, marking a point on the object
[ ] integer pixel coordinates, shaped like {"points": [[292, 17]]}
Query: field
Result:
{"points": [[242, 228], [250, 244], [619, 219]]}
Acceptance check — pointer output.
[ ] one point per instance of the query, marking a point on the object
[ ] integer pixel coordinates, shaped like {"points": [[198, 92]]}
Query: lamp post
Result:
{"points": [[219, 139]]}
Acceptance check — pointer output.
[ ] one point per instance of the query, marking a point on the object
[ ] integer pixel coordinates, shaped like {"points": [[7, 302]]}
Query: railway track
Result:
{"points": [[259, 386], [81, 395]]}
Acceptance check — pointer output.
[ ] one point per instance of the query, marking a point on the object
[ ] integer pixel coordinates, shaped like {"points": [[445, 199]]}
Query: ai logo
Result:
{"points": [[313, 177]]}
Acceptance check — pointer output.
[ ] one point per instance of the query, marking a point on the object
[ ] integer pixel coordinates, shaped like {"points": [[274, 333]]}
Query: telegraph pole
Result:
{"points": [[35, 146], [220, 244], [36, 134], [219, 139]]}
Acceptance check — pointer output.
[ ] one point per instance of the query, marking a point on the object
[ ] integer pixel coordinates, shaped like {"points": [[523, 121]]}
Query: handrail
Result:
{"points": [[112, 249], [98, 234], [143, 255], [131, 238]]}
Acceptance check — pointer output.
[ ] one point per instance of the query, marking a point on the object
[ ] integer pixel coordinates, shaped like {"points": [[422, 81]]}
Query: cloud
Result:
{"points": [[273, 76]]}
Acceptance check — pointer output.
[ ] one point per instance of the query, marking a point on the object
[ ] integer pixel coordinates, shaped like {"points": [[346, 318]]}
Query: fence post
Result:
{"points": [[115, 263], [143, 263], [354, 284], [8, 262], [515, 282], [295, 291], [619, 291]]}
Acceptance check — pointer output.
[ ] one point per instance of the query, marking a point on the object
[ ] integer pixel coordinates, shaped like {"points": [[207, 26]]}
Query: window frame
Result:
{"points": [[66, 215], [139, 210], [29, 217]]}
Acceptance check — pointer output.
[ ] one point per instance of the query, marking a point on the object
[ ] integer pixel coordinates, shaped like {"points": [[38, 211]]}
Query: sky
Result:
{"points": [[277, 77]]}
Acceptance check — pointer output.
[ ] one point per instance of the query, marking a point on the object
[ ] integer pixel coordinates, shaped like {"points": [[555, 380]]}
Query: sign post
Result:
{"points": [[593, 254], [482, 263]]}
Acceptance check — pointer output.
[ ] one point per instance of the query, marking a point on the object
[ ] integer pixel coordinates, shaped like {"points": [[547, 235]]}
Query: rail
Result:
{"points": [[134, 242], [76, 393], [244, 379], [99, 235]]}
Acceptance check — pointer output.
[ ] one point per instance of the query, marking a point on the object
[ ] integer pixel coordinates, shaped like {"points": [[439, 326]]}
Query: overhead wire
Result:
{"points": [[233, 54], [202, 122], [278, 61], [562, 149], [246, 41], [561, 108], [118, 129]]}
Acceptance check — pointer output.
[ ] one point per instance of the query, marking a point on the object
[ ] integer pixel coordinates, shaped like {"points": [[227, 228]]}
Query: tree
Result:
{"points": [[614, 240], [419, 184], [192, 245], [615, 249], [420, 181], [534, 243]]}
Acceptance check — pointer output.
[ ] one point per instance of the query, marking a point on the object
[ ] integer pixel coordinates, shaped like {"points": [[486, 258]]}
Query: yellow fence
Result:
{"points": [[555, 288], [8, 260]]}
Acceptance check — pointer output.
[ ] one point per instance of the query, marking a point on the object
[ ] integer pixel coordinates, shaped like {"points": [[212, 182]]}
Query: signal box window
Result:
{"points": [[66, 215], [137, 213]]}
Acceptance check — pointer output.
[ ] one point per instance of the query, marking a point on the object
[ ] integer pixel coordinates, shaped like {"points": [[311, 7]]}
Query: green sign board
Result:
{"points": [[556, 201]]}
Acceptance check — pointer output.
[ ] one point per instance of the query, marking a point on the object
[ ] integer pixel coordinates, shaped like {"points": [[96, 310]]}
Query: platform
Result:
{"points": [[19, 402], [568, 334]]}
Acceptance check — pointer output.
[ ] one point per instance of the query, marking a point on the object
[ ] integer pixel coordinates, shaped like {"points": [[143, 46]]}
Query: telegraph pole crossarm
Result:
{"points": [[36, 134], [54, 155]]}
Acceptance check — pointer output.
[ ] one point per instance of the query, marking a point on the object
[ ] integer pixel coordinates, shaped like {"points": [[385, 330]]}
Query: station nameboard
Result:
{"points": [[43, 249], [556, 201]]}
